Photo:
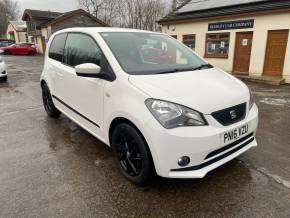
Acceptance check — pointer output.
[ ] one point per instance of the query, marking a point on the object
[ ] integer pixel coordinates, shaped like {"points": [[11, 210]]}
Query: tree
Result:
{"points": [[178, 3], [138, 14], [9, 10], [105, 10]]}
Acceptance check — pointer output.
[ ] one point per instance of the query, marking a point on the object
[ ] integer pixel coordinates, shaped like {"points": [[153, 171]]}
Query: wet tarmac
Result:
{"points": [[53, 168]]}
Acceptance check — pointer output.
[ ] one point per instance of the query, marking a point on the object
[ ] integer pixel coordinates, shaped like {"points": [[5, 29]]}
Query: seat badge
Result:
{"points": [[233, 114]]}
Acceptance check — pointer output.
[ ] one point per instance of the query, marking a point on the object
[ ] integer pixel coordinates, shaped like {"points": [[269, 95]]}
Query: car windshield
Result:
{"points": [[149, 53]]}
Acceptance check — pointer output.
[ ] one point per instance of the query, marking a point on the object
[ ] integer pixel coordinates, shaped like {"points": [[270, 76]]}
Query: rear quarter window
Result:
{"points": [[56, 49]]}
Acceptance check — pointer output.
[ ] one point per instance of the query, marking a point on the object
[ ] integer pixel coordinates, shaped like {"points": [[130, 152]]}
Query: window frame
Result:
{"points": [[185, 35], [222, 56]]}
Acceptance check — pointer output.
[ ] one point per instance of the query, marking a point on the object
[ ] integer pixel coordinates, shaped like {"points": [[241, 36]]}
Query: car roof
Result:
{"points": [[102, 29]]}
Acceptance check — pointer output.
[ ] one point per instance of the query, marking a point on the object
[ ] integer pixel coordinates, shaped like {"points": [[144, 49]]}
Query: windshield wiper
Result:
{"points": [[208, 66], [172, 71], [184, 70]]}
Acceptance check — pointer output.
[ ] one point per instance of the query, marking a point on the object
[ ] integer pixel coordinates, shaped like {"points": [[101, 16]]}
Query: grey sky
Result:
{"points": [[52, 5]]}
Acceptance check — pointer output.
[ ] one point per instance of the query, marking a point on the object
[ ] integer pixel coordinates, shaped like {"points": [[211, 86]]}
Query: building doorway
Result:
{"points": [[243, 50], [275, 52]]}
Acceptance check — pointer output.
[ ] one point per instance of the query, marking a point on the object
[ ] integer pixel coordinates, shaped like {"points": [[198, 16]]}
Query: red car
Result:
{"points": [[20, 49]]}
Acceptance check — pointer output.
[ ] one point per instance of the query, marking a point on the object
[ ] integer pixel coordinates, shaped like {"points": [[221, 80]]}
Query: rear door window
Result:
{"points": [[56, 49]]}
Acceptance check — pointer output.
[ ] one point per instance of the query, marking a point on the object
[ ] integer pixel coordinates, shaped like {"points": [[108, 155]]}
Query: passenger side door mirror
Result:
{"points": [[88, 70]]}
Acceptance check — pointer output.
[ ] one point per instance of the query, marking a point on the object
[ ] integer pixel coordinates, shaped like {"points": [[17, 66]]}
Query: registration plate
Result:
{"points": [[235, 134]]}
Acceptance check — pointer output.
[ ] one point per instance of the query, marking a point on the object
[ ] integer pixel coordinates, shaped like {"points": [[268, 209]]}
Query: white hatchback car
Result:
{"points": [[3, 70], [160, 106]]}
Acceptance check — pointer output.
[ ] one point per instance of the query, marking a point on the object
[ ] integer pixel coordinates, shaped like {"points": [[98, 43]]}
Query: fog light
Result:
{"points": [[183, 161]]}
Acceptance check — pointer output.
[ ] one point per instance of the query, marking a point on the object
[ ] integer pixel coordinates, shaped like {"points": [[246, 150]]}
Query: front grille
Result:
{"points": [[231, 115]]}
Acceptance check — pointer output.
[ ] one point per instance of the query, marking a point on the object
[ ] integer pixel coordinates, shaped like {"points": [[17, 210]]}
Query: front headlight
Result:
{"points": [[251, 102], [171, 115]]}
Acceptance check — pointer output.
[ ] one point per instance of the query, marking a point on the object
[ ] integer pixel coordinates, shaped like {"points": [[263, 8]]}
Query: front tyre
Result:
{"points": [[49, 107], [132, 154]]}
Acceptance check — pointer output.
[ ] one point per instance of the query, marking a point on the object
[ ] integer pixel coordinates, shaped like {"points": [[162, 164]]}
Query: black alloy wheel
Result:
{"points": [[132, 154]]}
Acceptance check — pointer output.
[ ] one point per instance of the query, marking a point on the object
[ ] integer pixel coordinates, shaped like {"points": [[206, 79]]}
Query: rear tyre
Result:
{"points": [[4, 79], [7, 52], [31, 53], [49, 107], [132, 154]]}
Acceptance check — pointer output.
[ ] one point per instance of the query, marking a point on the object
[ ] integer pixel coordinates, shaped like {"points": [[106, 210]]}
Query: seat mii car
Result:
{"points": [[160, 106]]}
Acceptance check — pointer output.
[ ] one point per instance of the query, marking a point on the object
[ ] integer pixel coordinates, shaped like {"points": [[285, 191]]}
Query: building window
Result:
{"points": [[174, 36], [217, 45], [189, 41], [30, 26]]}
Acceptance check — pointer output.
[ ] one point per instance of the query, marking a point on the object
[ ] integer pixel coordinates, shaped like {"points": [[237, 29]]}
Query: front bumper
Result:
{"points": [[200, 144]]}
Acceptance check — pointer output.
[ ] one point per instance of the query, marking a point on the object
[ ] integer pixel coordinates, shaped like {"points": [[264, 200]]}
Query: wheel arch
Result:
{"points": [[42, 82], [118, 120]]}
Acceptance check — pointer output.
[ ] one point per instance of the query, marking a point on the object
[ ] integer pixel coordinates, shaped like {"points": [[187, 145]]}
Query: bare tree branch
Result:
{"points": [[9, 10], [138, 14]]}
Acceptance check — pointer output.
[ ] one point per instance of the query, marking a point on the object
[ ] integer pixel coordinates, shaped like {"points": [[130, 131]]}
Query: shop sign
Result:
{"points": [[237, 24]]}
